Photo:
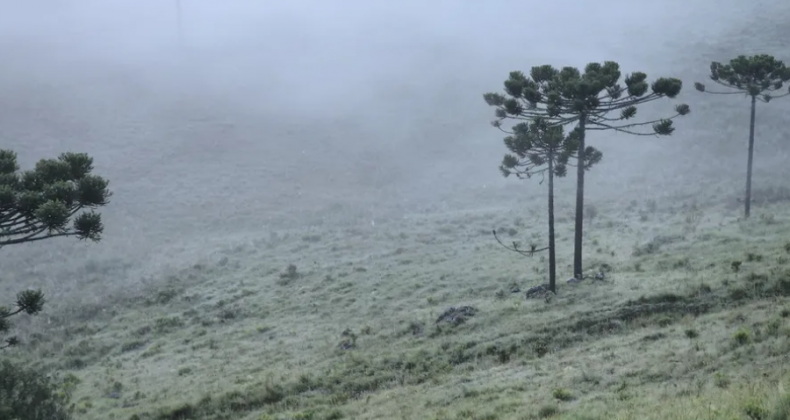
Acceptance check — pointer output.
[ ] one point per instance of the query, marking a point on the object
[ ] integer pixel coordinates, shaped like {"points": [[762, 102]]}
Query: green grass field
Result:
{"points": [[350, 330]]}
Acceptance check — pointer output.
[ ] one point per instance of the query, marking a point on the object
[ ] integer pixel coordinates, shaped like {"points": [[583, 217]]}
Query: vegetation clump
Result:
{"points": [[562, 394], [456, 315], [742, 336], [290, 274], [30, 394]]}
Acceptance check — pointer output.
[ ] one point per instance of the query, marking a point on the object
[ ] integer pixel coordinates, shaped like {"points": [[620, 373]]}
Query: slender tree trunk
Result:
{"points": [[579, 229], [552, 251], [748, 201]]}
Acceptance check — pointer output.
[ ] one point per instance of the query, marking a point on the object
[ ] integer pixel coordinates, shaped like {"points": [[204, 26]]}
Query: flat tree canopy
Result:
{"points": [[54, 199], [760, 76]]}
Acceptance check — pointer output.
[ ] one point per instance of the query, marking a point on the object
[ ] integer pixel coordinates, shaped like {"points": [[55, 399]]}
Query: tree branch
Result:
{"points": [[11, 219], [620, 130], [10, 314], [30, 238], [620, 104], [741, 92], [624, 128], [759, 98], [30, 224], [727, 85], [533, 248], [529, 173]]}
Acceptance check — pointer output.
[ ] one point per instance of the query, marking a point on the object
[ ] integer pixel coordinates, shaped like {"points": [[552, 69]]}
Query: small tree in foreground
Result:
{"points": [[536, 148], [568, 96], [759, 77], [30, 302], [39, 204]]}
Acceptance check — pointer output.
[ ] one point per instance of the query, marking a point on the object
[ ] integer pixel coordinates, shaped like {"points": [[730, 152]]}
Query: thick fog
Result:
{"points": [[252, 116]]}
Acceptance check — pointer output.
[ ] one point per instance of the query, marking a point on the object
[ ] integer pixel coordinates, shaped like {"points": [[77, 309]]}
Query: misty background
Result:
{"points": [[308, 114]]}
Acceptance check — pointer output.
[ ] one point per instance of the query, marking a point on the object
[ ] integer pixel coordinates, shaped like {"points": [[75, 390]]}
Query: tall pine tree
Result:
{"points": [[758, 77], [539, 148], [588, 99]]}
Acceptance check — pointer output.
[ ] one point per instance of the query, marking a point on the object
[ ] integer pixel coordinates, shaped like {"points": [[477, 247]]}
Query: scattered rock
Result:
{"points": [[457, 316], [538, 291], [351, 340], [573, 280]]}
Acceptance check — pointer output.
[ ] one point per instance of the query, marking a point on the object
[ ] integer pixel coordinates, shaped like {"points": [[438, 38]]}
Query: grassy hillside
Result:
{"points": [[261, 263], [351, 330]]}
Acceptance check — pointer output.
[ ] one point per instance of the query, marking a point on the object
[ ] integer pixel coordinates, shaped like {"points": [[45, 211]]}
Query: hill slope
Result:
{"points": [[352, 332]]}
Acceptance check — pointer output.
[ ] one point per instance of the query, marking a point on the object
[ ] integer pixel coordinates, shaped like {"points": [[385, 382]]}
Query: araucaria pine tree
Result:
{"points": [[588, 99], [39, 204], [30, 302], [759, 77], [538, 148]]}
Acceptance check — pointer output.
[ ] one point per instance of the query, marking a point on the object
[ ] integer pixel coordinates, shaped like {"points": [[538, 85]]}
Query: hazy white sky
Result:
{"points": [[393, 84]]}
